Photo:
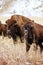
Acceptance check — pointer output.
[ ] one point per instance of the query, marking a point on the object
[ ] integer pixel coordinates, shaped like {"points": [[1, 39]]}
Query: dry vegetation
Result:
{"points": [[11, 54]]}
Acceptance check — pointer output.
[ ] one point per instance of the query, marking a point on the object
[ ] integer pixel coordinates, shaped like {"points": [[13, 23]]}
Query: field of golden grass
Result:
{"points": [[15, 54]]}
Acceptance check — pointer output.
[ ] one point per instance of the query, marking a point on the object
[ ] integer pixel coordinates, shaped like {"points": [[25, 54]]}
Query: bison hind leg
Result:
{"points": [[15, 40]]}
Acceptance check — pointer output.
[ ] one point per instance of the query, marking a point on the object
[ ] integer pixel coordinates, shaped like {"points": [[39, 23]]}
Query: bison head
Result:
{"points": [[14, 30], [28, 34], [27, 29]]}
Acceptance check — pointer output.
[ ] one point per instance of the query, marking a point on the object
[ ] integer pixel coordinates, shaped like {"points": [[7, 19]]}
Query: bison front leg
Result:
{"points": [[21, 39], [36, 42], [15, 39], [27, 47]]}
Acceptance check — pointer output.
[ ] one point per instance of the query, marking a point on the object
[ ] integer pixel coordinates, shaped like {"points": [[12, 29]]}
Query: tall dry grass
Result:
{"points": [[15, 54]]}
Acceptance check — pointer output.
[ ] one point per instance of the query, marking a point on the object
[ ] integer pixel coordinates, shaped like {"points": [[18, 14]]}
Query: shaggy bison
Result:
{"points": [[33, 32], [14, 31], [3, 29]]}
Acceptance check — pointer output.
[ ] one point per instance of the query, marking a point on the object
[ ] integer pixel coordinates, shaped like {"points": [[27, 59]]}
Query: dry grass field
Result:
{"points": [[15, 54]]}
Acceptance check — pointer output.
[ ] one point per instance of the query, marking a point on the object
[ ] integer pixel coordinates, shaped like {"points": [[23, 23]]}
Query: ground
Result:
{"points": [[15, 54]]}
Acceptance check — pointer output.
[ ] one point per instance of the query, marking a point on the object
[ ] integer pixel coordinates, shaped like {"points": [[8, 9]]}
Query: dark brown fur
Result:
{"points": [[35, 32]]}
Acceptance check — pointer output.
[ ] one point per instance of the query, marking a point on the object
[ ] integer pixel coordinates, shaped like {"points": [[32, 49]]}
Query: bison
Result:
{"points": [[14, 31], [3, 29], [33, 32]]}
